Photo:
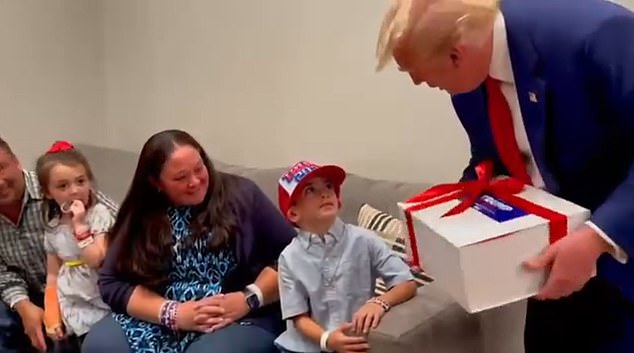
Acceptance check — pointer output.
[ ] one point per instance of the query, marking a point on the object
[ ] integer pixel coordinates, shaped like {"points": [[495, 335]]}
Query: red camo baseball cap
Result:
{"points": [[293, 181]]}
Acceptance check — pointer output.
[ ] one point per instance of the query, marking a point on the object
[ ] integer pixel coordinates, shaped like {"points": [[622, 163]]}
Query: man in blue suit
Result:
{"points": [[545, 89]]}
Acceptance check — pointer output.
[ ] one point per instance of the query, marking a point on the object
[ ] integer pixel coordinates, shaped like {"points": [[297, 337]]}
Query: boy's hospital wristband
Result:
{"points": [[323, 341]]}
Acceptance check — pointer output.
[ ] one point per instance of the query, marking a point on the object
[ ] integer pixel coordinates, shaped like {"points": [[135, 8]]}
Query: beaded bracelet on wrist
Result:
{"points": [[382, 303], [84, 238], [83, 235], [85, 242], [167, 315]]}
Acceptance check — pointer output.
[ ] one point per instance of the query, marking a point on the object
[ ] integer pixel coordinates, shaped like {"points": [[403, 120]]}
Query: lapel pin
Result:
{"points": [[532, 97]]}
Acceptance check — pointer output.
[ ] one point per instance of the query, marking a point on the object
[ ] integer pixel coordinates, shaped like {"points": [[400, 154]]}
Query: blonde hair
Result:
{"points": [[433, 26]]}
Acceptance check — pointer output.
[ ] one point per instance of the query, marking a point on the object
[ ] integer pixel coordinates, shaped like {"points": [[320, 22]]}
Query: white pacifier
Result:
{"points": [[65, 207]]}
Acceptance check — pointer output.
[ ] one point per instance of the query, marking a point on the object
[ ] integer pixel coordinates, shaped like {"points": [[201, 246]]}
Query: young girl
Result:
{"points": [[74, 242]]}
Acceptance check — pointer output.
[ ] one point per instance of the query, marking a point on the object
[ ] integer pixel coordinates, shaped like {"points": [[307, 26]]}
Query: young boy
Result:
{"points": [[327, 273]]}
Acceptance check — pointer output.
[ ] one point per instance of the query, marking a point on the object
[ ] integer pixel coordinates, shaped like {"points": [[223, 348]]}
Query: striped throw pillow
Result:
{"points": [[394, 233]]}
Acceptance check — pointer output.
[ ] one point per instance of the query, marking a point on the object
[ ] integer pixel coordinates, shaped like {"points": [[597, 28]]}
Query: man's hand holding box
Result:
{"points": [[474, 237]]}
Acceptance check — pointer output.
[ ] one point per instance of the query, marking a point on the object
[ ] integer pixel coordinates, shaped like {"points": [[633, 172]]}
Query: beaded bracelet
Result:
{"points": [[83, 235], [85, 242], [167, 315], [382, 303]]}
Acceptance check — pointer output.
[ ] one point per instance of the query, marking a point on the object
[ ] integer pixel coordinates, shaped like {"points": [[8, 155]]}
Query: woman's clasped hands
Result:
{"points": [[211, 313]]}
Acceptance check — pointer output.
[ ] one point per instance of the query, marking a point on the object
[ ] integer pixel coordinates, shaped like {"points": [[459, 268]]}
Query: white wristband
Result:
{"points": [[258, 292], [323, 341]]}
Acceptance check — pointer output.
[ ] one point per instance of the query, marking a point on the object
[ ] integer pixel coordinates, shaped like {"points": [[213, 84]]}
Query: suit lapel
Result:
{"points": [[531, 92]]}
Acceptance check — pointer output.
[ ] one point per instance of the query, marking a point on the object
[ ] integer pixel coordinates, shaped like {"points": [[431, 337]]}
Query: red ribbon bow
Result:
{"points": [[470, 191], [60, 146]]}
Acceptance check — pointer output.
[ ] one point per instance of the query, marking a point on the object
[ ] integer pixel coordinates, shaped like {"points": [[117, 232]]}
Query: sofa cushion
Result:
{"points": [[429, 322], [386, 225]]}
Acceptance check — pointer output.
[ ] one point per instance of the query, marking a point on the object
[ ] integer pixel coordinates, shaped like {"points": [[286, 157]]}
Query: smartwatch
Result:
{"points": [[252, 299]]}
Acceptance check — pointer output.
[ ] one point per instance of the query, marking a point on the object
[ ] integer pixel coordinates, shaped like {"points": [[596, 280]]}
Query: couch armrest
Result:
{"points": [[429, 322]]}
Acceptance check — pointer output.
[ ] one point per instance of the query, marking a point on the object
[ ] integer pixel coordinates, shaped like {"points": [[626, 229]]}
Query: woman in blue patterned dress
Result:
{"points": [[191, 266]]}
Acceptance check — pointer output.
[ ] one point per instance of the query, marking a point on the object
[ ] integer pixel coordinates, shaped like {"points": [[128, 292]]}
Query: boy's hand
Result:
{"points": [[368, 316], [339, 342]]}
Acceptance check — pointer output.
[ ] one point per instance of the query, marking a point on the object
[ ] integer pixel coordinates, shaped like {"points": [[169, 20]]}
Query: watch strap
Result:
{"points": [[251, 299], [257, 291]]}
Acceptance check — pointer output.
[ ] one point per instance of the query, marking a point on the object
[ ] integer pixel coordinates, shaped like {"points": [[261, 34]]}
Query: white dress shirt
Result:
{"points": [[501, 70]]}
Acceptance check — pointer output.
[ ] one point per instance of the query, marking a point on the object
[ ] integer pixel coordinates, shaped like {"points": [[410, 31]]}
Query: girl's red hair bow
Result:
{"points": [[60, 146]]}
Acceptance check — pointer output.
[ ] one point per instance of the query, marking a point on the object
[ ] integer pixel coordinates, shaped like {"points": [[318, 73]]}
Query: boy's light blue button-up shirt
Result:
{"points": [[332, 278]]}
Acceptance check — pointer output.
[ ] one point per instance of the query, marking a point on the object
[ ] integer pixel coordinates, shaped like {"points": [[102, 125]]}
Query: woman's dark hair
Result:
{"points": [[68, 156], [142, 233]]}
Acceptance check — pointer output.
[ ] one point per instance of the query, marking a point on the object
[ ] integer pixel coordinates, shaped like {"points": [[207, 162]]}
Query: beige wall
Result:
{"points": [[51, 73], [238, 74], [259, 83], [264, 83]]}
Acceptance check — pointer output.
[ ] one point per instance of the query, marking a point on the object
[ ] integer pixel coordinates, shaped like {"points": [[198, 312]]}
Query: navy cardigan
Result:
{"points": [[261, 236]]}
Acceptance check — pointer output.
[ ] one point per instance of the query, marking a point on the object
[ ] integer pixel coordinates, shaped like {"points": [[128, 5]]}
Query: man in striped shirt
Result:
{"points": [[22, 256]]}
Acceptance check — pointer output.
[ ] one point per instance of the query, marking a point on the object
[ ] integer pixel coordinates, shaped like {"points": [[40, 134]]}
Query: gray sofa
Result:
{"points": [[430, 322]]}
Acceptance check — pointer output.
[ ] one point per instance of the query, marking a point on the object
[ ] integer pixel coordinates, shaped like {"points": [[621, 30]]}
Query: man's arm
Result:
{"points": [[473, 115], [610, 66], [12, 286], [469, 172]]}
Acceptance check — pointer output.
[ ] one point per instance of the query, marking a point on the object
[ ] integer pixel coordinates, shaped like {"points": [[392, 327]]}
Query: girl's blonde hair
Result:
{"points": [[431, 27]]}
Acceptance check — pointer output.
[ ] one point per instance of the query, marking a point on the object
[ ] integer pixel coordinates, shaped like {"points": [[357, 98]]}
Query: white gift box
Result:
{"points": [[477, 256]]}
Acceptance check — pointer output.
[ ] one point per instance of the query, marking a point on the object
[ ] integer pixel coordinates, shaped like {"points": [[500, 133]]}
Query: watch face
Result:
{"points": [[252, 301]]}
